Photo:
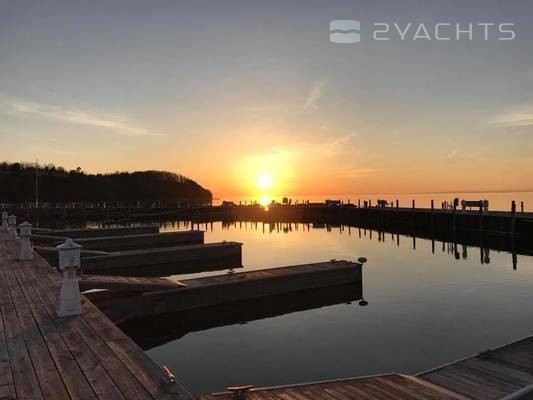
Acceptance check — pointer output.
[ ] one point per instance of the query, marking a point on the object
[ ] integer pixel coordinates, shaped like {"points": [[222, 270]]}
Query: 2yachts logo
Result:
{"points": [[349, 31], [344, 31]]}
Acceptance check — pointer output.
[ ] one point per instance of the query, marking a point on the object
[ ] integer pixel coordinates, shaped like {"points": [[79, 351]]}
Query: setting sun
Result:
{"points": [[264, 180]]}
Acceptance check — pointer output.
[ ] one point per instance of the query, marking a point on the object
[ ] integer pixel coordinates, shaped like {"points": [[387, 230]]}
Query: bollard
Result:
{"points": [[513, 218], [69, 295], [4, 220], [26, 249], [12, 227]]}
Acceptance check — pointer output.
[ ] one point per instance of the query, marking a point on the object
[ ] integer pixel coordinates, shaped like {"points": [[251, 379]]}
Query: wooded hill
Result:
{"points": [[55, 184]]}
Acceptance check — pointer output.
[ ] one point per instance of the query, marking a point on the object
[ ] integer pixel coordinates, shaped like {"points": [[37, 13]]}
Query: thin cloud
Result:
{"points": [[518, 118], [313, 97], [116, 123], [56, 151]]}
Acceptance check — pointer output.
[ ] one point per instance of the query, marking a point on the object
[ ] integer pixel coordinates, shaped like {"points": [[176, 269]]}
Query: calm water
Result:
{"points": [[497, 201], [423, 309]]}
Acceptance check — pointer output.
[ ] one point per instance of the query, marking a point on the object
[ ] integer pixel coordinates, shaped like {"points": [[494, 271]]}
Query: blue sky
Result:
{"points": [[225, 90]]}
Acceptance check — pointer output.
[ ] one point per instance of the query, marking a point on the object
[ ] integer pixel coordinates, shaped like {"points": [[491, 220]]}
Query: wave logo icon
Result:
{"points": [[345, 31]]}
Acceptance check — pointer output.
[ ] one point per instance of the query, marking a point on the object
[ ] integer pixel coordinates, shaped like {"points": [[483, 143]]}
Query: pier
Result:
{"points": [[490, 375], [44, 356], [127, 283], [116, 242], [167, 260], [515, 222], [383, 387], [229, 288], [155, 330]]}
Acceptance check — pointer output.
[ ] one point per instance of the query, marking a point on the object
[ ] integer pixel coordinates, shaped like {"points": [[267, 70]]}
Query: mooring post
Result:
{"points": [[4, 220], [432, 205], [26, 249], [69, 263], [413, 203], [454, 215], [397, 204], [513, 217], [12, 227], [521, 206], [358, 203]]}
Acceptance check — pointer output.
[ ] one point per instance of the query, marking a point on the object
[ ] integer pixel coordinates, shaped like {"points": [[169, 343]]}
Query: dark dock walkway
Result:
{"points": [[43, 356], [230, 288], [489, 375], [128, 283], [128, 242], [390, 387], [166, 261]]}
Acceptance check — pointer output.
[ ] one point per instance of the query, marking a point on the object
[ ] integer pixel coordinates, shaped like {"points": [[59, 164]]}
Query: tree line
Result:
{"points": [[55, 184]]}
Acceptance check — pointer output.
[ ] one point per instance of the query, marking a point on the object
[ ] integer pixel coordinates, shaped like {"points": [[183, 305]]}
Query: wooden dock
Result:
{"points": [[231, 288], [489, 375], [104, 232], [128, 242], [43, 356], [155, 330], [381, 387], [127, 283], [167, 260]]}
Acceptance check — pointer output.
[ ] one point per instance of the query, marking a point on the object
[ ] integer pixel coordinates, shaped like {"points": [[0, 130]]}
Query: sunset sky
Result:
{"points": [[245, 96]]}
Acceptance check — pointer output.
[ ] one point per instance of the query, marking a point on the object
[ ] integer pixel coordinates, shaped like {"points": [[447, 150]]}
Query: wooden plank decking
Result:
{"points": [[43, 356], [130, 283], [390, 387], [128, 242], [228, 288], [490, 375], [167, 260]]}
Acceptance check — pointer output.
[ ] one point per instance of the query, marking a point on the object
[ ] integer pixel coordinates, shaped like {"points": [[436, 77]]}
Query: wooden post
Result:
{"points": [[481, 215], [454, 215], [413, 202], [521, 206], [397, 204], [358, 203], [513, 217]]}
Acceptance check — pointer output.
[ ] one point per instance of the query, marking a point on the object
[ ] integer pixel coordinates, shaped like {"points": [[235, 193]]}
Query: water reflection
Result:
{"points": [[154, 331], [457, 244], [434, 296]]}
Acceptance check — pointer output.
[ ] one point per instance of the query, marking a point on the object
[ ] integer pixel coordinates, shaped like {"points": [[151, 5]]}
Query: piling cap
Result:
{"points": [[25, 224], [362, 260], [69, 244]]}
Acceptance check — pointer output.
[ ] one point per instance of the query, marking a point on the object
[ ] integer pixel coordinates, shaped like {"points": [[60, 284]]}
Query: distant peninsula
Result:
{"points": [[26, 182]]}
